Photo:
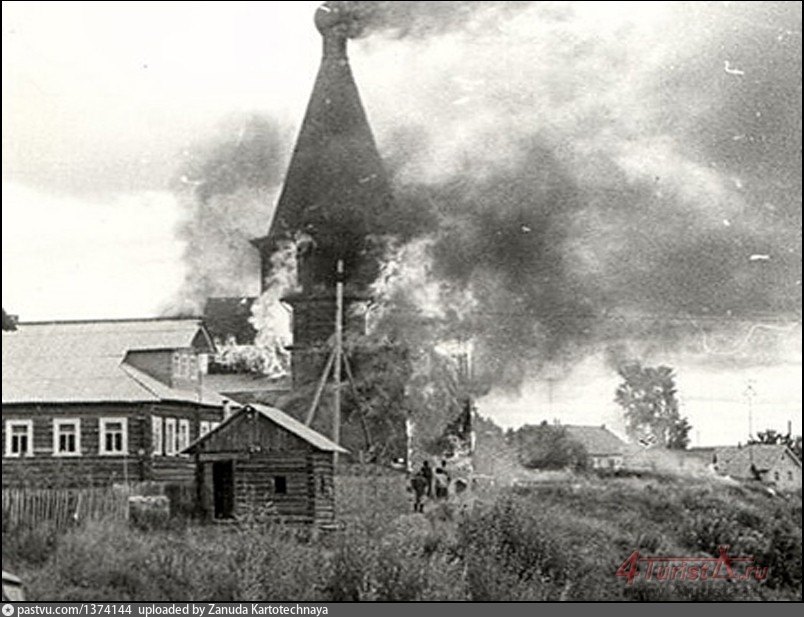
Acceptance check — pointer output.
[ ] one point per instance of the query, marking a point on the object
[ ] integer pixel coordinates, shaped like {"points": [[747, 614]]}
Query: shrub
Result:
{"points": [[510, 553], [33, 545], [349, 569], [548, 447]]}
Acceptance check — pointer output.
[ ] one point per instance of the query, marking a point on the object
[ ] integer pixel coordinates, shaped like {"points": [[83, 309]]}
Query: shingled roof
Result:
{"points": [[736, 461], [84, 361], [336, 189]]}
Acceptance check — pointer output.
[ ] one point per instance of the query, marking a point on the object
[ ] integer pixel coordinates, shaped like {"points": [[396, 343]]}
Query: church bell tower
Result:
{"points": [[335, 193]]}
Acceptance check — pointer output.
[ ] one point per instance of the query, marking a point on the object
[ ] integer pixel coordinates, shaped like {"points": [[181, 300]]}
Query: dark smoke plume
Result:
{"points": [[564, 177], [421, 19], [610, 187], [228, 187]]}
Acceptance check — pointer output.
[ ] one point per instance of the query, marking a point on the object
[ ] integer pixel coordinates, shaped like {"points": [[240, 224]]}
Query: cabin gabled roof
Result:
{"points": [[277, 417]]}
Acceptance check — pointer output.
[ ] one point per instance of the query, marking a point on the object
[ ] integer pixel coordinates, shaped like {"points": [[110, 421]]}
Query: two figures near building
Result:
{"points": [[430, 484]]}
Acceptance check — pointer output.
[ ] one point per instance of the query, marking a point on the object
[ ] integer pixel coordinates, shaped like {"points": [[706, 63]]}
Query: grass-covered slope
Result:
{"points": [[560, 542]]}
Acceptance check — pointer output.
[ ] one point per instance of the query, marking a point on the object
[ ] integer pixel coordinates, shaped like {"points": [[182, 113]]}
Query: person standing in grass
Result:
{"points": [[441, 478], [419, 484], [427, 474]]}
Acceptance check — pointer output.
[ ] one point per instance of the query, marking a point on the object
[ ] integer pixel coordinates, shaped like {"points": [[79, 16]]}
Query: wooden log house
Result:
{"points": [[264, 464], [94, 403]]}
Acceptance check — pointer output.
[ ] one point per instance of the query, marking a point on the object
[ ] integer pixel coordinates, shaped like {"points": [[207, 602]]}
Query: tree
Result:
{"points": [[9, 322], [679, 437], [548, 447], [648, 397]]}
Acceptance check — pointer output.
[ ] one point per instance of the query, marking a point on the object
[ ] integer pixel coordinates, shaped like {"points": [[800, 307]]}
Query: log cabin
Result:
{"points": [[93, 403], [264, 464]]}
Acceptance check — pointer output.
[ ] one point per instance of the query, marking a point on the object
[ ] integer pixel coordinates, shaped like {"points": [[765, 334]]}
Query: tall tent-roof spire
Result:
{"points": [[336, 188]]}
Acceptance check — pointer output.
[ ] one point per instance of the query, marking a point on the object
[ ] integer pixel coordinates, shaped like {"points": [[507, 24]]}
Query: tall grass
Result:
{"points": [[554, 543]]}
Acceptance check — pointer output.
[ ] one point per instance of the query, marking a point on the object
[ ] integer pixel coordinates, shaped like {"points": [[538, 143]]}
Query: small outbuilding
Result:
{"points": [[263, 463]]}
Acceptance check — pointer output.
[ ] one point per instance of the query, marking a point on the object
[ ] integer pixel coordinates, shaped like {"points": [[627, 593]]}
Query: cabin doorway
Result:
{"points": [[223, 488]]}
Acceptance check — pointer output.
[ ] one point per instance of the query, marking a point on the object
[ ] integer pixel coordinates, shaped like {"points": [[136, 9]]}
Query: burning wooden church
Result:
{"points": [[333, 201], [336, 201]]}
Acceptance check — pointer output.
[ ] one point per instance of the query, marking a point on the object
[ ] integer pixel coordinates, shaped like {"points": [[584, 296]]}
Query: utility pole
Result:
{"points": [[750, 393], [338, 357]]}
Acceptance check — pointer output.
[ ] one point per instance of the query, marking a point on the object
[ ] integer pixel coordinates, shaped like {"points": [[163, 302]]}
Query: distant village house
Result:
{"points": [[604, 450], [774, 465]]}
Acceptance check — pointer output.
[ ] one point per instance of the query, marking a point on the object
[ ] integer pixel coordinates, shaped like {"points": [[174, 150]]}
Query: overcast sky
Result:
{"points": [[102, 100], [99, 99]]}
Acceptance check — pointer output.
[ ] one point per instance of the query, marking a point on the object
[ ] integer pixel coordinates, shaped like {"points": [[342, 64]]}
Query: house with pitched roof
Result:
{"points": [[93, 403], [604, 449], [263, 463], [772, 464]]}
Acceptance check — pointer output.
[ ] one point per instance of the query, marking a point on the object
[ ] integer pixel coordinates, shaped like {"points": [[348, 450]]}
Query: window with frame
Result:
{"points": [[19, 438], [157, 436], [204, 428], [114, 436], [67, 437], [176, 363], [790, 475], [170, 436], [183, 436]]}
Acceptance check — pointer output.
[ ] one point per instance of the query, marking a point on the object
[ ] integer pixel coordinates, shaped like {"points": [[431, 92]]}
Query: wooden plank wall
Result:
{"points": [[310, 496], [139, 430], [91, 469], [253, 433], [174, 470], [254, 487], [71, 472], [322, 478]]}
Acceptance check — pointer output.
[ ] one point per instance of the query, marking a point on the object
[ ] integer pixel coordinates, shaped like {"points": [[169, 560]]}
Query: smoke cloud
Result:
{"points": [[600, 177], [227, 186], [566, 175], [420, 19]]}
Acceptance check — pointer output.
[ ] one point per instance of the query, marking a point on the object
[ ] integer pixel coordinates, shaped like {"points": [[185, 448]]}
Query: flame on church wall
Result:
{"points": [[271, 317]]}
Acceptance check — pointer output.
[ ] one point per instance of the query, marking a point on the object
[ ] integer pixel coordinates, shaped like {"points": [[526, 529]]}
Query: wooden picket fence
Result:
{"points": [[27, 507]]}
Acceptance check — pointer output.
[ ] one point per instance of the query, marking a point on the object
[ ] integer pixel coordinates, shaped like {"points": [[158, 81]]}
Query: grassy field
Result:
{"points": [[556, 542]]}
